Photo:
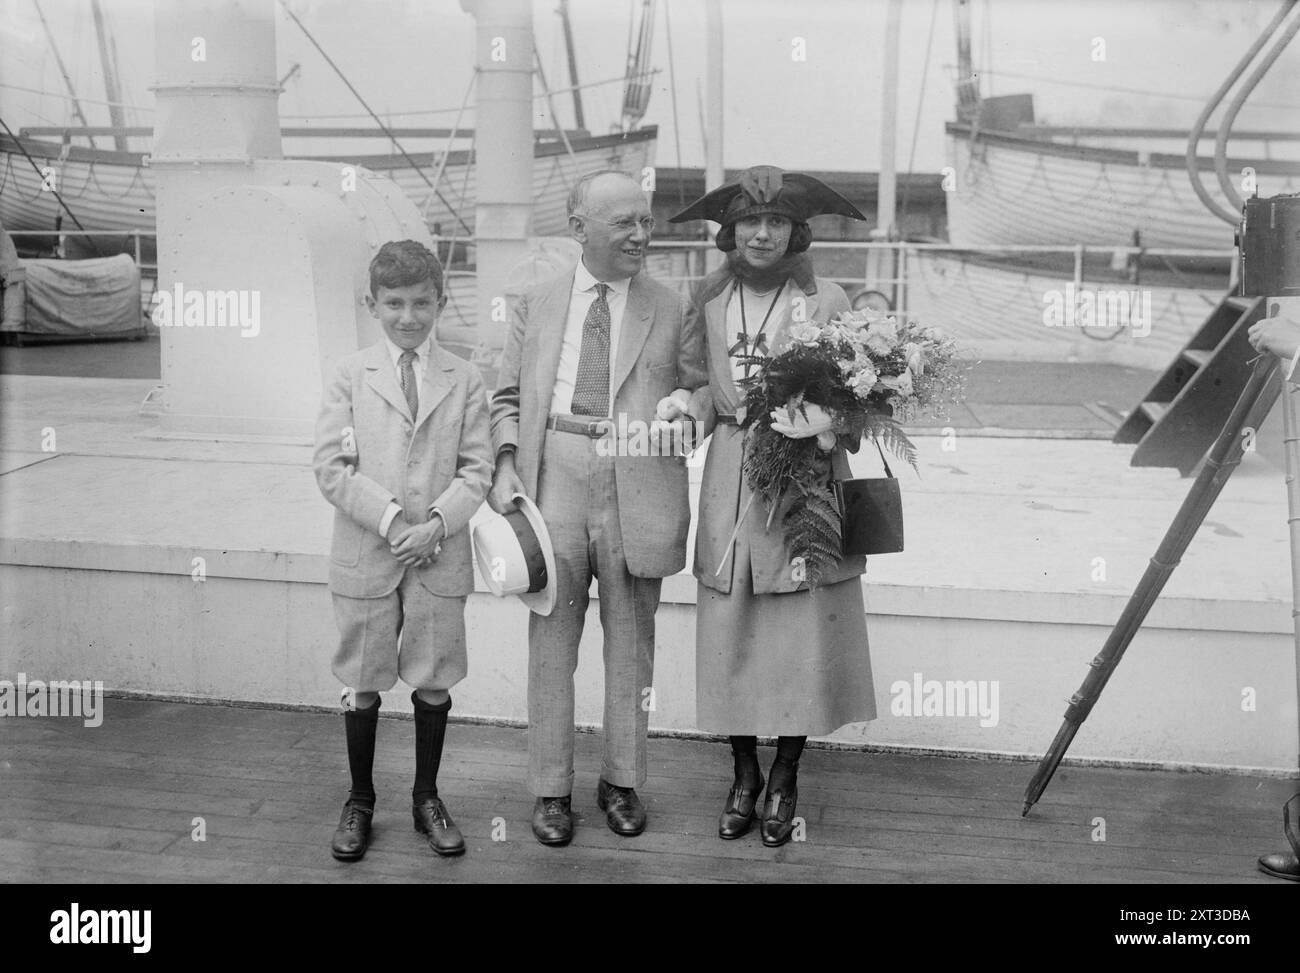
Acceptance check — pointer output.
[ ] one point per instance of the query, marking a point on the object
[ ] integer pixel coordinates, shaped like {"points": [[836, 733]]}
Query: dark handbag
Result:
{"points": [[871, 513]]}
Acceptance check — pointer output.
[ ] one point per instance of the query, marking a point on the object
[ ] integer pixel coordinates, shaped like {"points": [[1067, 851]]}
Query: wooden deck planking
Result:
{"points": [[818, 792], [476, 816], [822, 805], [871, 849], [838, 793], [116, 804]]}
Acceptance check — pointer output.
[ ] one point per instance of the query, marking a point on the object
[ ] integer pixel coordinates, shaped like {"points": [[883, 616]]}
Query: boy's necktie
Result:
{"points": [[591, 385], [406, 368]]}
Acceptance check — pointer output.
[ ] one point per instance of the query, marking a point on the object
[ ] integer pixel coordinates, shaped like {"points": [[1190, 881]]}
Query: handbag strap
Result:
{"points": [[888, 472]]}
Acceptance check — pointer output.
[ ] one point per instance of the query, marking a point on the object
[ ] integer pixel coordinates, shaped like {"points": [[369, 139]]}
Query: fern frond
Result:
{"points": [[892, 437], [813, 531]]}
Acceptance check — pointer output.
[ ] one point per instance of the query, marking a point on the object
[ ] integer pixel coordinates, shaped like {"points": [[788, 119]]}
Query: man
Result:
{"points": [[603, 342], [1281, 337]]}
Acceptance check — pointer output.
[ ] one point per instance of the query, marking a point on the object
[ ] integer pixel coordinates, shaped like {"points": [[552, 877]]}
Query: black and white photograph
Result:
{"points": [[626, 442]]}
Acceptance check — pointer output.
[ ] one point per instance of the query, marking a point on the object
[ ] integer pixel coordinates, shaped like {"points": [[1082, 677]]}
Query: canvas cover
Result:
{"points": [[82, 298]]}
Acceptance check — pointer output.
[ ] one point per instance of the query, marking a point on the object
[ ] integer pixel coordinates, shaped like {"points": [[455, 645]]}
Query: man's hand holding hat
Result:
{"points": [[505, 484]]}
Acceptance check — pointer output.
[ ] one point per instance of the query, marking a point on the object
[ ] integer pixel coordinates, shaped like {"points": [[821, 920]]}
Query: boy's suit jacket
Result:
{"points": [[367, 456], [658, 352]]}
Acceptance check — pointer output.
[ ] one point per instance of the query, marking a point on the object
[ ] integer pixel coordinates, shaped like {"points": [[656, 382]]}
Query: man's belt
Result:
{"points": [[591, 428], [728, 418]]}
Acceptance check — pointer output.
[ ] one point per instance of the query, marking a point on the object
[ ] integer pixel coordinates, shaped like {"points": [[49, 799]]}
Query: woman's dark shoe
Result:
{"points": [[352, 836], [741, 810], [778, 816], [782, 791]]}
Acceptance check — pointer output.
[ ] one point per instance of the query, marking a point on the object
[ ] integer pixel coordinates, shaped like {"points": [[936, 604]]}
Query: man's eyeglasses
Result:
{"points": [[623, 226]]}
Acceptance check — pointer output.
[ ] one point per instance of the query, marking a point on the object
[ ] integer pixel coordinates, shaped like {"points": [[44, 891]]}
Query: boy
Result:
{"points": [[403, 454]]}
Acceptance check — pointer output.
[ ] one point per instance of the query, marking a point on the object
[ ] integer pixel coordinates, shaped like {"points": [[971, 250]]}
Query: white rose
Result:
{"points": [[882, 336], [804, 333], [864, 381]]}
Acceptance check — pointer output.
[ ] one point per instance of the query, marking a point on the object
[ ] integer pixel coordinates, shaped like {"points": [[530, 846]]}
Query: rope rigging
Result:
{"points": [[378, 121], [22, 148]]}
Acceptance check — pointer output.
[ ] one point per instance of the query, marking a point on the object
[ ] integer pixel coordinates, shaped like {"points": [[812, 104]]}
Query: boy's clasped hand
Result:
{"points": [[416, 545]]}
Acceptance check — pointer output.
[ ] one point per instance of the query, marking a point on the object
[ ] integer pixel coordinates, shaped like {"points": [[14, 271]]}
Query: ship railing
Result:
{"points": [[890, 266], [893, 268], [136, 237], [969, 289]]}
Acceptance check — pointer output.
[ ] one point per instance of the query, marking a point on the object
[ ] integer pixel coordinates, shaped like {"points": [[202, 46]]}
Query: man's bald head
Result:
{"points": [[610, 216]]}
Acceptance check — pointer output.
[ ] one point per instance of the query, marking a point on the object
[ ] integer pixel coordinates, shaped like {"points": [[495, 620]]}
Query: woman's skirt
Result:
{"points": [[793, 664]]}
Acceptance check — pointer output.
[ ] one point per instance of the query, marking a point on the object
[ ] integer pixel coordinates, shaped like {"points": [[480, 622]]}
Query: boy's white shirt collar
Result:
{"points": [[422, 350]]}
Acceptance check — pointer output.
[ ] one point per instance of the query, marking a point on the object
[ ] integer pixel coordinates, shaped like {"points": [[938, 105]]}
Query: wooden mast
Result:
{"points": [[112, 91], [63, 70], [579, 120]]}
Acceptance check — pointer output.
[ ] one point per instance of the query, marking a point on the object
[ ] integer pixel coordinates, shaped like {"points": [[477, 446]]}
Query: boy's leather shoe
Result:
{"points": [[623, 809], [1283, 864], [352, 836], [740, 811], [432, 819], [553, 820], [778, 817]]}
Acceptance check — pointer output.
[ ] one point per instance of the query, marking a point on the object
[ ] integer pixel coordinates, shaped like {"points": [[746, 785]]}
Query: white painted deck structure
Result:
{"points": [[1020, 556]]}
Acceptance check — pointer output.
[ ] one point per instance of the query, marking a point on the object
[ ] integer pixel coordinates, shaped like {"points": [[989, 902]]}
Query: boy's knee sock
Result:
{"points": [[430, 731], [360, 726]]}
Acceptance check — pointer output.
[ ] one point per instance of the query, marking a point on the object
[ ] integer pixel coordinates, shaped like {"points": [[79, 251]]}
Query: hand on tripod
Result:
{"points": [[1280, 336]]}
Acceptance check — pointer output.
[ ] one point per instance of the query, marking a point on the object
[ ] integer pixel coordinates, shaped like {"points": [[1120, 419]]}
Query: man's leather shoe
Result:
{"points": [[553, 820], [1283, 864], [352, 836], [432, 819], [741, 810], [778, 817], [623, 809]]}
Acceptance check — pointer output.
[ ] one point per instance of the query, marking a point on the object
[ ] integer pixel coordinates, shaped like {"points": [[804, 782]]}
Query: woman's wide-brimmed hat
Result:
{"points": [[767, 189], [515, 556]]}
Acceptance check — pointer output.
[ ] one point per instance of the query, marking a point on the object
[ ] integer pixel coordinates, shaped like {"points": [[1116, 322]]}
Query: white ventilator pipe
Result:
{"points": [[503, 151]]}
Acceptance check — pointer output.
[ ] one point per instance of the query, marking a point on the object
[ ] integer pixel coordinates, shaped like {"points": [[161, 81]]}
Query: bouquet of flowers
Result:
{"points": [[869, 371]]}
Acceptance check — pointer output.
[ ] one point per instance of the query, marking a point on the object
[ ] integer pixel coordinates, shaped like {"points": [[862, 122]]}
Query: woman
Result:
{"points": [[772, 657]]}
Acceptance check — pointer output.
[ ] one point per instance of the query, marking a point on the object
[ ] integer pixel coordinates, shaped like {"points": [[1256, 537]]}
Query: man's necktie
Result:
{"points": [[406, 368], [591, 387]]}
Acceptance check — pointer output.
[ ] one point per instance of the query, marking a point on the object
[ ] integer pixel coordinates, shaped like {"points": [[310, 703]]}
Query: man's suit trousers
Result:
{"points": [[578, 499]]}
